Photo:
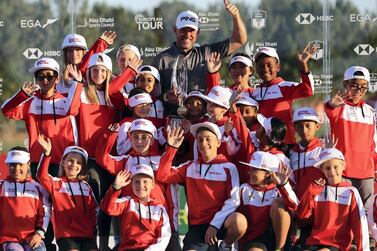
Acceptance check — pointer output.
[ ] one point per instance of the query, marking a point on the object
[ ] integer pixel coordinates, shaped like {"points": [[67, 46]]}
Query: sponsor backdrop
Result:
{"points": [[344, 31]]}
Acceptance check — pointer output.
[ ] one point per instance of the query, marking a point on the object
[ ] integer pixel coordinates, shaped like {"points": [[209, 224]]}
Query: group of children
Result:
{"points": [[100, 146]]}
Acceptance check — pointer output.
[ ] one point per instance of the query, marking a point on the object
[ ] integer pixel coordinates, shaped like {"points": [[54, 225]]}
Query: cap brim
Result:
{"points": [[188, 25], [194, 129], [215, 102], [320, 162]]}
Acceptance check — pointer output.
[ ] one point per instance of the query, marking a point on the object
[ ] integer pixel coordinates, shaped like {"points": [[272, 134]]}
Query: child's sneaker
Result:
{"points": [[224, 247]]}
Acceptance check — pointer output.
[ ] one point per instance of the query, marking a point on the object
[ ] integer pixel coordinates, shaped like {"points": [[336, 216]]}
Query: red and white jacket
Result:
{"points": [[52, 117], [75, 208], [354, 126], [24, 208], [165, 194], [339, 216], [371, 208], [302, 164], [212, 188], [256, 204], [143, 225], [275, 99]]}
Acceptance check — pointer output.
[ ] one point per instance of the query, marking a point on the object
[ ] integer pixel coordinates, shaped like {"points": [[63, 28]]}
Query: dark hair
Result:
{"points": [[201, 129], [278, 132], [19, 148], [135, 91]]}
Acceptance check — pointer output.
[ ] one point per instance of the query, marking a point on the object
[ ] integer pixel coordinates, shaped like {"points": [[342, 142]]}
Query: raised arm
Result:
{"points": [[239, 34]]}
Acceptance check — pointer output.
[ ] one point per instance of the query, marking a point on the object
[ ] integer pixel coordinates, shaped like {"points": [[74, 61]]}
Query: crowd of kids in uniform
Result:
{"points": [[102, 152]]}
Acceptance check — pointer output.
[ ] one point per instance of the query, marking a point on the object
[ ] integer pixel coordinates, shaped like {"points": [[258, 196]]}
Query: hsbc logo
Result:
{"points": [[363, 49], [2, 23], [308, 18], [32, 53], [203, 20]]}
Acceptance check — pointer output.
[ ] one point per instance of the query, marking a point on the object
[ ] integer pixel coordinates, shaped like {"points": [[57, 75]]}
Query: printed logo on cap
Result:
{"points": [[14, 153], [42, 62], [304, 113], [74, 39], [140, 122], [186, 18], [215, 92]]}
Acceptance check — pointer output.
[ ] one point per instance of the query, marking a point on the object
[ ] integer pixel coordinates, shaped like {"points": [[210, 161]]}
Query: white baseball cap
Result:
{"points": [[269, 51], [76, 149], [265, 123], [142, 169], [138, 99], [45, 64], [100, 59], [130, 47], [263, 160], [305, 113], [155, 73], [245, 99], [210, 126], [198, 94], [74, 40], [143, 125], [327, 154], [187, 18], [350, 73], [241, 59], [17, 157], [220, 96]]}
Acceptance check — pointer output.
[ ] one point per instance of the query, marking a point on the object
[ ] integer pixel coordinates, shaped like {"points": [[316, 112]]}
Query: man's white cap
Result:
{"points": [[17, 157], [327, 154], [265, 123], [210, 126], [220, 96], [138, 99], [245, 99], [305, 113], [130, 47], [142, 169], [241, 59], [263, 160], [198, 94], [76, 149], [350, 73], [269, 51], [45, 64], [143, 125], [74, 40], [100, 59], [155, 73], [187, 18]]}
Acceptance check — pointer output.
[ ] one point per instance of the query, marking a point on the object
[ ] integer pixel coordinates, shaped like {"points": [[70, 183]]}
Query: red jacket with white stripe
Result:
{"points": [[143, 225], [52, 117], [75, 208], [275, 99], [354, 127], [212, 188], [302, 164], [256, 204], [24, 208], [339, 216], [372, 216], [165, 194]]}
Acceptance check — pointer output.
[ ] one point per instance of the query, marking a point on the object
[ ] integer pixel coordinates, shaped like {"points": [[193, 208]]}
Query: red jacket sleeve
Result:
{"points": [[42, 174], [359, 222], [289, 196], [17, 106], [44, 209], [293, 90], [110, 203], [212, 79], [333, 113], [166, 173], [99, 46], [117, 84], [307, 203], [74, 98], [112, 164]]}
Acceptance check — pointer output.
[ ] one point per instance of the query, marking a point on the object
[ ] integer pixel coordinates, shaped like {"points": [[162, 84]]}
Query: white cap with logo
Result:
{"points": [[328, 154], [357, 72], [210, 126], [143, 125], [269, 51], [245, 99], [142, 169], [220, 96], [305, 113], [74, 40], [100, 59], [17, 157], [263, 160], [187, 18], [139, 99], [130, 47], [265, 123], [45, 64], [241, 59], [198, 94]]}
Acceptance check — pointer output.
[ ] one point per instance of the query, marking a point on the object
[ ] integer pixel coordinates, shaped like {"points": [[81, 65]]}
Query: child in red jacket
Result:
{"points": [[25, 209], [145, 222], [353, 123], [267, 201], [75, 208], [335, 207]]}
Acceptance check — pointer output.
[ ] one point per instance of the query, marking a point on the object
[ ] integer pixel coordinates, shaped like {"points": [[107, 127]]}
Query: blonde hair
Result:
{"points": [[90, 89], [82, 175]]}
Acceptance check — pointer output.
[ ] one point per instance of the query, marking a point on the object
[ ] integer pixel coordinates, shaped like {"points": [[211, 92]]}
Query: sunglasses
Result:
{"points": [[356, 88], [43, 77]]}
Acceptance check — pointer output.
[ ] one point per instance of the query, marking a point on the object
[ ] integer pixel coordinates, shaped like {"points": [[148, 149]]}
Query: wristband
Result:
{"points": [[41, 233]]}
